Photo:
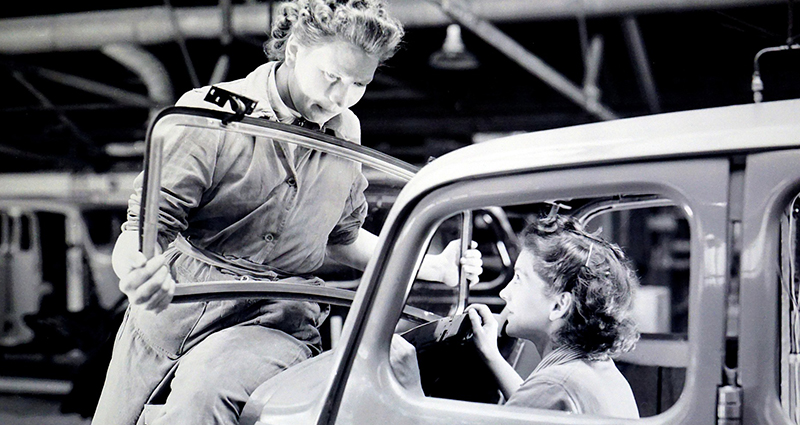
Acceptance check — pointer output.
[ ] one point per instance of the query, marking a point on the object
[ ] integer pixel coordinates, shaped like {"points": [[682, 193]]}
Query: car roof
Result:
{"points": [[703, 132]]}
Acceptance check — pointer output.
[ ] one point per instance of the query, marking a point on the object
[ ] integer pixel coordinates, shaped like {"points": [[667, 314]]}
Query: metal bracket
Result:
{"points": [[241, 105]]}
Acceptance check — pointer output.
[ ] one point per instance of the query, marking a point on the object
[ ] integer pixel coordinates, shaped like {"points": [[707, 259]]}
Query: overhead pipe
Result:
{"points": [[144, 26], [153, 25], [223, 62], [148, 68], [124, 97], [592, 59], [181, 39]]}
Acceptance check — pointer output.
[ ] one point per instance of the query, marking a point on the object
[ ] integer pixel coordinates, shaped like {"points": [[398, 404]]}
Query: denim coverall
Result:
{"points": [[233, 207]]}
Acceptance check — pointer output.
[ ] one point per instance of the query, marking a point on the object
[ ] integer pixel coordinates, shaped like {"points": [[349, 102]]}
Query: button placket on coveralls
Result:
{"points": [[291, 161]]}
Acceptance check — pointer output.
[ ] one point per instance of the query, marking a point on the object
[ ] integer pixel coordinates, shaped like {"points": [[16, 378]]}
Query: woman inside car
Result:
{"points": [[571, 296]]}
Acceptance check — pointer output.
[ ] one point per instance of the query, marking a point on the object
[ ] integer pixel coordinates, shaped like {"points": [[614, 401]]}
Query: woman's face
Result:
{"points": [[528, 303], [327, 78]]}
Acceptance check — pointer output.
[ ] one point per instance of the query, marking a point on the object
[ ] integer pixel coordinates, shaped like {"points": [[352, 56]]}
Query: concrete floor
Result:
{"points": [[35, 410]]}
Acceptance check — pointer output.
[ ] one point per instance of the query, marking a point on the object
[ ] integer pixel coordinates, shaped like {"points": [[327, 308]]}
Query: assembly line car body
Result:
{"points": [[703, 201]]}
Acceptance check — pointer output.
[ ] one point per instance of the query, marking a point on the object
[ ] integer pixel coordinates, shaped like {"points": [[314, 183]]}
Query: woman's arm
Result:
{"points": [[357, 253], [485, 331], [438, 268]]}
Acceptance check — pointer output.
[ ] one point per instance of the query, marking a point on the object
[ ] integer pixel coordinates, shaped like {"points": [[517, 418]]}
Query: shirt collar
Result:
{"points": [[262, 87], [282, 111], [560, 355]]}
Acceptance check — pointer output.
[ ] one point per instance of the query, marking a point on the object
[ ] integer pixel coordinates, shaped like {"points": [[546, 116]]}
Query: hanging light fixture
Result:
{"points": [[453, 55]]}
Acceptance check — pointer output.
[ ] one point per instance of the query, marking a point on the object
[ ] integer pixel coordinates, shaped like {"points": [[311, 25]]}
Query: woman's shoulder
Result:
{"points": [[197, 97], [588, 386], [545, 391]]}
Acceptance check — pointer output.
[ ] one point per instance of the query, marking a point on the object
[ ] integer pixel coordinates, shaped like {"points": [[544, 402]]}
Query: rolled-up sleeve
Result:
{"points": [[355, 212], [189, 160]]}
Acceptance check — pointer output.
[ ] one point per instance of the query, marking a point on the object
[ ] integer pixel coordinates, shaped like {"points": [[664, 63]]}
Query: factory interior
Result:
{"points": [[82, 81]]}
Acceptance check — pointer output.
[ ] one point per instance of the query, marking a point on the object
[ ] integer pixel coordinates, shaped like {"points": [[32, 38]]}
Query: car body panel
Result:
{"points": [[693, 160], [685, 157], [706, 208], [765, 200], [686, 133]]}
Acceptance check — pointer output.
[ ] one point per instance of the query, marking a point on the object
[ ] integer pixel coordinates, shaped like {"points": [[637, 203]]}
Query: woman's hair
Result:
{"points": [[598, 275], [364, 23]]}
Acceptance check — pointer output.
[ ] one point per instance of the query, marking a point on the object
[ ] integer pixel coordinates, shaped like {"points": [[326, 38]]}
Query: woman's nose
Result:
{"points": [[504, 294], [338, 94]]}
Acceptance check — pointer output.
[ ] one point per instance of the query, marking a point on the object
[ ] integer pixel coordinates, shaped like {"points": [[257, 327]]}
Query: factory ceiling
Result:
{"points": [[80, 79]]}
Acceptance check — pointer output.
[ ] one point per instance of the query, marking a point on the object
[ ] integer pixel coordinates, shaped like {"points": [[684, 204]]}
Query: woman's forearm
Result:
{"points": [[356, 254], [507, 378]]}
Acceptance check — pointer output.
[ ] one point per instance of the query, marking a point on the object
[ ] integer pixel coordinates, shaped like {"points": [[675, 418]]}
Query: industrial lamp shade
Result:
{"points": [[453, 55]]}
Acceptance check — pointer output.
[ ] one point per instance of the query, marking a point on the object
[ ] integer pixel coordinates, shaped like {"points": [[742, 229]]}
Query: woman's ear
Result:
{"points": [[290, 52], [561, 306]]}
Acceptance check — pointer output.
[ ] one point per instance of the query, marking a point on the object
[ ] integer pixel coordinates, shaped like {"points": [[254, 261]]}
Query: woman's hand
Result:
{"points": [[145, 282], [484, 330], [448, 264], [403, 359]]}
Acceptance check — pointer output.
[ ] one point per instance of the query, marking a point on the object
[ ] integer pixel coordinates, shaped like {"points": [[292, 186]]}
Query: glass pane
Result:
{"points": [[275, 165]]}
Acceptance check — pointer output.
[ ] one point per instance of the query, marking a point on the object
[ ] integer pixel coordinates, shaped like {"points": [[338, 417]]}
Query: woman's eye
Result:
{"points": [[360, 84], [331, 77]]}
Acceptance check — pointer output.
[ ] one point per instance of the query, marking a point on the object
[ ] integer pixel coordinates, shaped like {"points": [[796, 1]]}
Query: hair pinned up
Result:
{"points": [[598, 275], [364, 23]]}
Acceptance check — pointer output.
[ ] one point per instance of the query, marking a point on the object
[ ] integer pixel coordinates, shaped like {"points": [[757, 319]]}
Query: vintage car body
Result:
{"points": [[58, 292], [732, 171]]}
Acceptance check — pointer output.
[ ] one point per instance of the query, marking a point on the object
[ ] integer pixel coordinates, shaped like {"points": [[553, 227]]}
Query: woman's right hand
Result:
{"points": [[484, 330], [145, 282]]}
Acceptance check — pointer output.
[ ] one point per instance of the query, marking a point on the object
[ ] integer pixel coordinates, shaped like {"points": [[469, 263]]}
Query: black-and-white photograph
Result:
{"points": [[411, 212]]}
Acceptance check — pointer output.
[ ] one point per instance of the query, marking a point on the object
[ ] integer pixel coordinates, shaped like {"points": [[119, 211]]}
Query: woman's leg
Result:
{"points": [[214, 379], [146, 348], [135, 370]]}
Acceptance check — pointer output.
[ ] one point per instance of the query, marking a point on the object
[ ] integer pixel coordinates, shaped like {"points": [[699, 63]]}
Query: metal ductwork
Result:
{"points": [[145, 26], [153, 25], [149, 69]]}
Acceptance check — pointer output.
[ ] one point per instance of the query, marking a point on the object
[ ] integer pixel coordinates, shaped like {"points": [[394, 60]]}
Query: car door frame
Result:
{"points": [[771, 182], [363, 387]]}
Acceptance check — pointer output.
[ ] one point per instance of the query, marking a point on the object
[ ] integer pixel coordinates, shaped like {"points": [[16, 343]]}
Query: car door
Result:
{"points": [[768, 321]]}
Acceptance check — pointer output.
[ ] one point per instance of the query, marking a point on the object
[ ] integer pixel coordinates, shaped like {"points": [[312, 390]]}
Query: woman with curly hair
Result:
{"points": [[234, 207], [571, 296]]}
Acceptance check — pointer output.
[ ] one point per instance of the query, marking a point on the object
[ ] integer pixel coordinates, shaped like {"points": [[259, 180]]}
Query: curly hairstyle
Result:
{"points": [[364, 23], [598, 275]]}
